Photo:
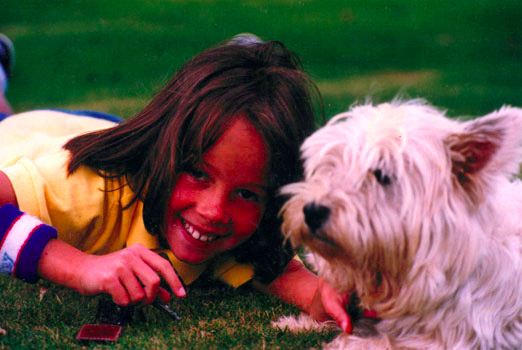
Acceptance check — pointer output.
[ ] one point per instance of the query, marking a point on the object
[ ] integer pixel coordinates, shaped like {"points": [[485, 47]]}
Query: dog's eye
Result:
{"points": [[382, 178]]}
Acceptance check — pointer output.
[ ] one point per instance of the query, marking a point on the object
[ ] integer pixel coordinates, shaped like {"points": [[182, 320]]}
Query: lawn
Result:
{"points": [[45, 316], [113, 56]]}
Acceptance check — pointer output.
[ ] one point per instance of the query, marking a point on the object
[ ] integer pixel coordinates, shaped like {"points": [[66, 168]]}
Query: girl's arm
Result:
{"points": [[7, 193], [299, 286], [28, 248], [129, 275]]}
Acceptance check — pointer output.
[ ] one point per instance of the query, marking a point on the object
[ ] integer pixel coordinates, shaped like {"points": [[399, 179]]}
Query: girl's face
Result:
{"points": [[218, 204]]}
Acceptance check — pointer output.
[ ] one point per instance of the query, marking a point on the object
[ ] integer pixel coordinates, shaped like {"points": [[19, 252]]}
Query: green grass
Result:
{"points": [[213, 318], [114, 55]]}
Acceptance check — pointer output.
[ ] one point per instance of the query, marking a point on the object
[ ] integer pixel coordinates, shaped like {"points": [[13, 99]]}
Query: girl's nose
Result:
{"points": [[212, 205]]}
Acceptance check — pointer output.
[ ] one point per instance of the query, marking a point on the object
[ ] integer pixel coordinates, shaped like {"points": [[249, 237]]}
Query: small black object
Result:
{"points": [[110, 313], [160, 305], [354, 309]]}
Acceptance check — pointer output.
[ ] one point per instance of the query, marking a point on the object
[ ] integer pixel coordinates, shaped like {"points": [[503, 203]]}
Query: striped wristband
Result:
{"points": [[22, 240]]}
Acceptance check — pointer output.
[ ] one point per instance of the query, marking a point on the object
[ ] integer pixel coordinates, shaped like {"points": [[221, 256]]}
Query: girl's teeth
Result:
{"points": [[196, 235]]}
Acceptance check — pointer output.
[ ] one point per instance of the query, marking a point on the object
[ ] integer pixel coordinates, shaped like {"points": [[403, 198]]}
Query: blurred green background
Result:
{"points": [[112, 56]]}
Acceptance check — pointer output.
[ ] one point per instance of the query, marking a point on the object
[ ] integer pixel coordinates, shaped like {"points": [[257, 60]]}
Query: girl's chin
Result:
{"points": [[189, 250]]}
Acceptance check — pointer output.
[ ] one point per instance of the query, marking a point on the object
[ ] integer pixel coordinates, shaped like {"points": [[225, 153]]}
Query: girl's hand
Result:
{"points": [[328, 304], [129, 275]]}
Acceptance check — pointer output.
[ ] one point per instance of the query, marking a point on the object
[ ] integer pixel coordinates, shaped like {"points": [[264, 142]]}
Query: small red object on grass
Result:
{"points": [[99, 332]]}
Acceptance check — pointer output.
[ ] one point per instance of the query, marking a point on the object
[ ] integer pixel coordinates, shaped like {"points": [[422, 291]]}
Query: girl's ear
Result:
{"points": [[488, 146]]}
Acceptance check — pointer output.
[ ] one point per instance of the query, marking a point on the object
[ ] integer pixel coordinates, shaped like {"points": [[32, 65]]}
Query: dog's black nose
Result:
{"points": [[315, 215]]}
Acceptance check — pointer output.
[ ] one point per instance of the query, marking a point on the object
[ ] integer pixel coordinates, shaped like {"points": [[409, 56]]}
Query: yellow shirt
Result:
{"points": [[85, 208]]}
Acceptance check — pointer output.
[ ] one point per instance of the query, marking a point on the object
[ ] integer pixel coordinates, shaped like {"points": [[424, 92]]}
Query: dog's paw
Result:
{"points": [[303, 323]]}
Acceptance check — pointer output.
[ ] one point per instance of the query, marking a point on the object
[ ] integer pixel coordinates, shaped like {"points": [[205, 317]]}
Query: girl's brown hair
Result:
{"points": [[263, 81]]}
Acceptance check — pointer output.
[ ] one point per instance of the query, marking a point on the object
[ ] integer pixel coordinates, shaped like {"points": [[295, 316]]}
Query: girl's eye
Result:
{"points": [[197, 173], [250, 196]]}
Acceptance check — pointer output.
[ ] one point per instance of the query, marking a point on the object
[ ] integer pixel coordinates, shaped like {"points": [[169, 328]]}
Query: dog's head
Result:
{"points": [[392, 197]]}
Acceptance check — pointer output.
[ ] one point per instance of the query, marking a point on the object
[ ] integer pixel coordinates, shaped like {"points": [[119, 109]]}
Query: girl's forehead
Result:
{"points": [[240, 151]]}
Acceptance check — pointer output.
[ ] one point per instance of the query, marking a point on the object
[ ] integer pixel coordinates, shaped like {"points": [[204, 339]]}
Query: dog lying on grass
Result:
{"points": [[421, 216]]}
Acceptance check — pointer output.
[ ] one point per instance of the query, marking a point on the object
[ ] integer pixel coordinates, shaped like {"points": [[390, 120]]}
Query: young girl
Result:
{"points": [[192, 178]]}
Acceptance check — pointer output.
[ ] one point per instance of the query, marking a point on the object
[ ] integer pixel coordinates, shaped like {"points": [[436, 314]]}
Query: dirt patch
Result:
{"points": [[372, 83]]}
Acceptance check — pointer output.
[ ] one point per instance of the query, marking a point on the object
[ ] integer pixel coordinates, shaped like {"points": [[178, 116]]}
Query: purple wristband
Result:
{"points": [[22, 240]]}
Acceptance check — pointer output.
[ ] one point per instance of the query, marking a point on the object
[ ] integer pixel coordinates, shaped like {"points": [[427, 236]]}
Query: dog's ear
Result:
{"points": [[490, 145]]}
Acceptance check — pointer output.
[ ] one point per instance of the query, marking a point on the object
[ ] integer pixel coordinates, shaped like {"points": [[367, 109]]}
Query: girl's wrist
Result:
{"points": [[22, 241]]}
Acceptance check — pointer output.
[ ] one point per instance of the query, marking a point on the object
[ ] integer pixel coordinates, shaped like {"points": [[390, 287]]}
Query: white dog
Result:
{"points": [[421, 215]]}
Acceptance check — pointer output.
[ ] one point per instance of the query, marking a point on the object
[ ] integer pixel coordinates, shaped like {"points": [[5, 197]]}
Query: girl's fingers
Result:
{"points": [[334, 305], [148, 279], [118, 293], [163, 295], [335, 308], [135, 275], [165, 269], [129, 280], [175, 284]]}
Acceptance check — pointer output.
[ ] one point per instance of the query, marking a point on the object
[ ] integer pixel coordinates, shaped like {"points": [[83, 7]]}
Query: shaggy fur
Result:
{"points": [[421, 215]]}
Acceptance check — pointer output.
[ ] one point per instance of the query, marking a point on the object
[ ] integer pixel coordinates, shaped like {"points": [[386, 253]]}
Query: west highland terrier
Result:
{"points": [[421, 216]]}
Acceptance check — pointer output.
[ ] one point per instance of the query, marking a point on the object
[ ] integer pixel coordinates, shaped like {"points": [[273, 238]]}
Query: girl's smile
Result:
{"points": [[218, 204], [197, 234]]}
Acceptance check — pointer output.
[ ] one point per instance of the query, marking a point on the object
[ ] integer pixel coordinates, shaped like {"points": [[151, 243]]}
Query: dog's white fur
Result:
{"points": [[435, 247]]}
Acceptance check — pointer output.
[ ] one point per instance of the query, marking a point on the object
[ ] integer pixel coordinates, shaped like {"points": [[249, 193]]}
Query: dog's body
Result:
{"points": [[421, 215]]}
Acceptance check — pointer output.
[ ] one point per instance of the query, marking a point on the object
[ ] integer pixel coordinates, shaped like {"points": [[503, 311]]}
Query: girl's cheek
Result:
{"points": [[247, 221], [182, 194]]}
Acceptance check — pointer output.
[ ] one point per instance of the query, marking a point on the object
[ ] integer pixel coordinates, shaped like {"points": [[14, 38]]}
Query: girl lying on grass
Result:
{"points": [[93, 205]]}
